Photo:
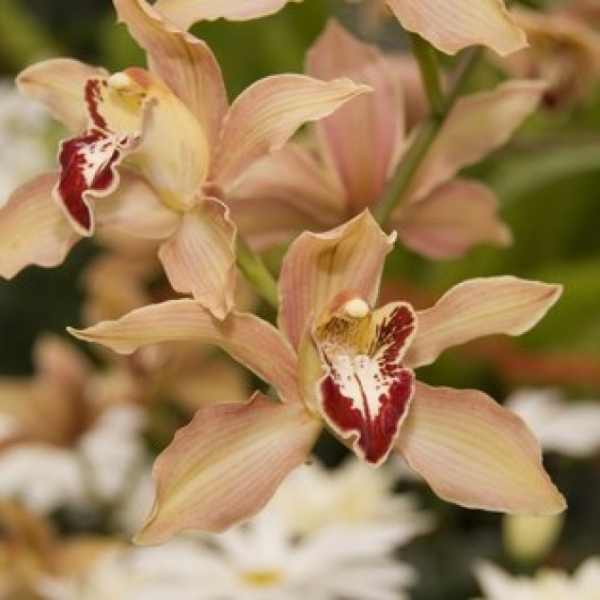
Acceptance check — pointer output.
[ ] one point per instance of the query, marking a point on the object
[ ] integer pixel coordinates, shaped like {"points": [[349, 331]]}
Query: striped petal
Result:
{"points": [[479, 307], [225, 465], [475, 453], [347, 260], [451, 25], [250, 340], [33, 231], [187, 12]]}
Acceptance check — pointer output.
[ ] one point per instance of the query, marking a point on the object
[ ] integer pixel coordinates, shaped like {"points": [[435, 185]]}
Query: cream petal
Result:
{"points": [[250, 340], [185, 63], [476, 125], [475, 453], [186, 12], [200, 257], [318, 267], [59, 85], [479, 307], [285, 193], [135, 209], [453, 218], [376, 119], [225, 465], [33, 230], [451, 25], [265, 115]]}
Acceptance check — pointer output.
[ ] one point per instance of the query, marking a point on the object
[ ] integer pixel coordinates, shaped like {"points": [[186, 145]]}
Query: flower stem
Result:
{"points": [[441, 105], [256, 272]]}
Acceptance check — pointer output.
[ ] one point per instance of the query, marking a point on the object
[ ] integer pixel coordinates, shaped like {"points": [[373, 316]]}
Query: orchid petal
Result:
{"points": [[318, 267], [479, 307], [185, 63], [454, 217], [376, 119], [451, 25], [59, 85], [200, 257], [366, 390], [250, 340], [476, 125], [186, 12], [285, 193], [135, 209], [226, 464], [265, 115], [33, 231], [475, 453]]}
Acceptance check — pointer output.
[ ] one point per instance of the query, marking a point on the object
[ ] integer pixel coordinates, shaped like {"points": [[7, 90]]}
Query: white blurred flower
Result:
{"points": [[548, 584], [348, 556], [352, 494], [23, 126], [571, 428], [98, 468]]}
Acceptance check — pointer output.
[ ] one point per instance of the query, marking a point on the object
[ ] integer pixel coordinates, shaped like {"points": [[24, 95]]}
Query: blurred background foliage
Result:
{"points": [[548, 181]]}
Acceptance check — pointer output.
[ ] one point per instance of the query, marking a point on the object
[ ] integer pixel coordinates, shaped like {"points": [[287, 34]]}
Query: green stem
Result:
{"points": [[440, 108], [255, 271], [427, 60]]}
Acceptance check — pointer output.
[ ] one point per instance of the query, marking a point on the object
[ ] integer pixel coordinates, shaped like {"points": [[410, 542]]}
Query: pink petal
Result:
{"points": [[453, 218], [475, 453], [250, 340], [319, 267], [285, 193], [225, 465], [135, 209], [186, 12], [478, 124], [185, 63], [376, 119], [452, 25], [59, 84], [269, 112], [476, 308], [366, 390], [33, 231], [200, 257]]}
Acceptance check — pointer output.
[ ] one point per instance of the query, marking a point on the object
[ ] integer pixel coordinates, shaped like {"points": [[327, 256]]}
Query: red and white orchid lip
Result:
{"points": [[366, 391], [88, 161]]}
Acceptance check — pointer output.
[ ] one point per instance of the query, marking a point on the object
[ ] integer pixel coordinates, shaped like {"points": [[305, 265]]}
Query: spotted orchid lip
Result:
{"points": [[366, 391], [88, 162]]}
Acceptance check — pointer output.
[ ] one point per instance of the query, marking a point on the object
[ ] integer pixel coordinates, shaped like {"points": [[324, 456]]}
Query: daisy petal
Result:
{"points": [[59, 85], [265, 115], [320, 266], [33, 230], [454, 217], [451, 25], [225, 465], [476, 308], [250, 340], [185, 63], [475, 453], [186, 12], [200, 257]]}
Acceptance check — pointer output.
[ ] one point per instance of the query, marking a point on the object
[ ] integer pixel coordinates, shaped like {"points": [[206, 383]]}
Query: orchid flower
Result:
{"points": [[451, 25], [360, 147], [154, 153], [338, 362]]}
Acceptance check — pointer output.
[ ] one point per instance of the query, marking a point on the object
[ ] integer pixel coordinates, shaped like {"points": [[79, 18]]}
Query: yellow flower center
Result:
{"points": [[262, 579]]}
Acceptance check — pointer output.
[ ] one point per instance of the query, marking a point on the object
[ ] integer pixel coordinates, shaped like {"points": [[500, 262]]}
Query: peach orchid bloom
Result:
{"points": [[337, 362], [154, 153], [359, 148], [451, 25]]}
